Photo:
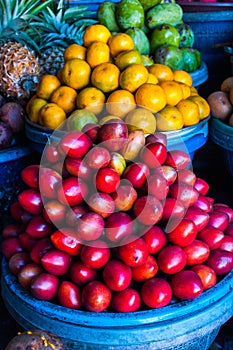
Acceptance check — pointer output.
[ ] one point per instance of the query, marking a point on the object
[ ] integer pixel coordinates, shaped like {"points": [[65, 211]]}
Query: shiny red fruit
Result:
{"points": [[177, 159], [157, 137], [167, 171], [171, 259], [30, 175], [19, 214], [40, 248], [227, 243], [101, 203], [56, 262], [221, 261], [72, 191], [187, 176], [172, 208], [136, 173], [206, 274], [98, 157], [45, 286], [51, 153], [107, 180], [117, 226], [148, 210], [157, 186], [198, 216], [27, 273], [55, 212], [201, 186], [229, 229], [124, 197], [203, 203], [17, 261], [145, 271], [186, 285], [78, 167], [211, 236], [95, 256], [133, 253], [27, 242], [181, 233], [12, 230], [30, 200], [224, 209], [155, 239], [153, 154], [128, 300], [186, 194], [69, 295], [81, 274], [37, 227], [156, 293], [49, 180], [117, 275], [11, 246], [75, 144], [96, 296], [66, 240], [218, 220], [90, 226], [197, 252], [113, 134], [91, 130]]}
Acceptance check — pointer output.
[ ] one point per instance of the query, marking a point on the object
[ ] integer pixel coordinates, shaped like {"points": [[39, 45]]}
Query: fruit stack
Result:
{"points": [[96, 231], [106, 78]]}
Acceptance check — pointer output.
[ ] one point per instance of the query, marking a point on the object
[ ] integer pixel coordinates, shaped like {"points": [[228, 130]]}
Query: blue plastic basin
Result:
{"points": [[190, 325]]}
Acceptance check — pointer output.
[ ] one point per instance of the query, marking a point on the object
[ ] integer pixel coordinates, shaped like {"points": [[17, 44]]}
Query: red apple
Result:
{"points": [[37, 227], [30, 200], [227, 243], [198, 216], [72, 191], [17, 261], [27, 273], [78, 167], [221, 261], [157, 186], [66, 240], [177, 159], [211, 236], [187, 195], [49, 180], [201, 186], [218, 220]]}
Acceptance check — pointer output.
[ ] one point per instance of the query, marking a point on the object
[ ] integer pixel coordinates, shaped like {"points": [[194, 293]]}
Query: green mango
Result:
{"points": [[106, 15], [164, 34], [141, 41], [79, 118], [147, 4], [170, 13], [170, 55], [190, 59], [186, 35], [130, 14]]}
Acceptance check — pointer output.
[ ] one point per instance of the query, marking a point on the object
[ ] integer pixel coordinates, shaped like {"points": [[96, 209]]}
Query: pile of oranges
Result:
{"points": [[110, 79]]}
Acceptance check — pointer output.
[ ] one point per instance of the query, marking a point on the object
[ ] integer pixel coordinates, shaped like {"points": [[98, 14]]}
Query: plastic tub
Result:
{"points": [[200, 75], [222, 135], [189, 325], [12, 161]]}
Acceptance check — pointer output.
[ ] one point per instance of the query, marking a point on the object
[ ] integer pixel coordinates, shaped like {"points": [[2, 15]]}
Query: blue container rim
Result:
{"points": [[221, 133], [14, 152], [178, 310]]}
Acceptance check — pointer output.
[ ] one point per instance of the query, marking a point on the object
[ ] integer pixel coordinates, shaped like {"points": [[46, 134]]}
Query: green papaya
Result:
{"points": [[164, 34], [170, 55], [147, 4], [130, 14], [190, 59], [186, 35], [141, 41], [170, 13], [106, 15]]}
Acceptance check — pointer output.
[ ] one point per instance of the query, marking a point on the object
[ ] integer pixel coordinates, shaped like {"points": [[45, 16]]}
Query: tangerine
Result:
{"points": [[161, 71], [96, 32], [169, 118], [152, 79], [91, 98], [76, 73], [186, 90], [120, 42], [141, 119], [34, 107], [151, 96], [204, 107], [97, 53], [65, 97], [75, 51], [79, 118], [120, 102], [47, 84], [126, 58], [105, 77], [190, 112], [173, 92], [51, 116], [181, 76], [133, 76]]}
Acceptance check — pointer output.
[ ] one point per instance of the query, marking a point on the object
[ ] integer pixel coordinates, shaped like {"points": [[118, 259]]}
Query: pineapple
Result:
{"points": [[19, 64], [60, 26]]}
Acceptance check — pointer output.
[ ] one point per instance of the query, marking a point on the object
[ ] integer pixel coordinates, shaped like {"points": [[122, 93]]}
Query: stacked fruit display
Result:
{"points": [[157, 29], [106, 77], [221, 102], [11, 122], [96, 231]]}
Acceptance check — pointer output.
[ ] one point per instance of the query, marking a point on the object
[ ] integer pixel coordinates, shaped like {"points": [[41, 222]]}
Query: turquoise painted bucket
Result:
{"points": [[189, 325]]}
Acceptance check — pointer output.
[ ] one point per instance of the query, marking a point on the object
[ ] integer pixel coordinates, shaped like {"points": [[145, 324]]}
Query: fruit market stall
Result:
{"points": [[116, 240]]}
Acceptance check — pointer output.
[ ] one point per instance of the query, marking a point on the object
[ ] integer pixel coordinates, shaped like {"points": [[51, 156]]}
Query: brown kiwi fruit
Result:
{"points": [[220, 105]]}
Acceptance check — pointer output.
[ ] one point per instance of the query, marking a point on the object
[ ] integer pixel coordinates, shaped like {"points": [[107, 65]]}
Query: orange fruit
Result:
{"points": [[169, 118], [120, 42], [95, 32], [190, 112], [203, 105], [186, 90], [75, 51], [193, 91], [181, 76], [97, 53], [91, 98], [51, 116], [34, 107], [152, 79], [133, 76], [173, 92], [47, 84], [65, 97], [151, 96], [161, 71], [105, 77], [120, 102], [125, 58], [76, 73], [141, 119]]}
